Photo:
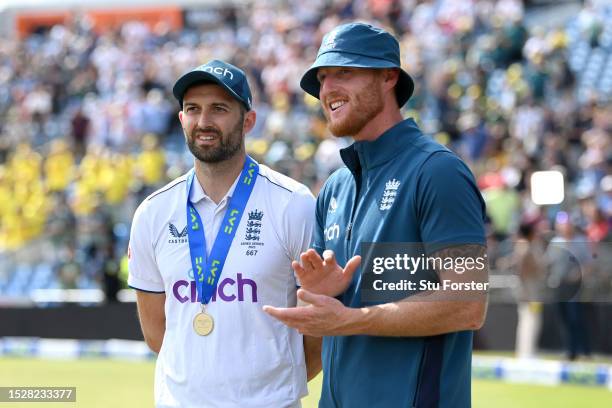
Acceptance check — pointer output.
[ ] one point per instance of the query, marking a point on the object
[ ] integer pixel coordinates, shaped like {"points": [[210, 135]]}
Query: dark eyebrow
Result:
{"points": [[221, 104]]}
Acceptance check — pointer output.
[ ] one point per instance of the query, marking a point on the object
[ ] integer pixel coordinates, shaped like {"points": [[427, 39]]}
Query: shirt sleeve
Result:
{"points": [[298, 223], [143, 274], [450, 209]]}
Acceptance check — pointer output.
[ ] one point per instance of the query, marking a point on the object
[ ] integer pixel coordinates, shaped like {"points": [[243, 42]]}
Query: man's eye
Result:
{"points": [[190, 109]]}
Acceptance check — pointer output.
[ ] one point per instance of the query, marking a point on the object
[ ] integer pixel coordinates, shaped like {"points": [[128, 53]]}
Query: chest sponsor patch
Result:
{"points": [[332, 232], [229, 289]]}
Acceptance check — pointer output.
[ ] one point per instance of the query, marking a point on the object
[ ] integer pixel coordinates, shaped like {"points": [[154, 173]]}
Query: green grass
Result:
{"points": [[112, 383], [99, 382], [496, 394]]}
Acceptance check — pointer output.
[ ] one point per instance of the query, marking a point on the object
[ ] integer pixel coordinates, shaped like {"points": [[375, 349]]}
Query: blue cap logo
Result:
{"points": [[219, 71], [330, 40], [228, 76]]}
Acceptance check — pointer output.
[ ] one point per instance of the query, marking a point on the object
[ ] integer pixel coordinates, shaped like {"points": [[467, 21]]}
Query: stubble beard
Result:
{"points": [[365, 106], [228, 146]]}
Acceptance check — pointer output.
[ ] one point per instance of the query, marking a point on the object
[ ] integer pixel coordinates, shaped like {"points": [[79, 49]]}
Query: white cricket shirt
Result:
{"points": [[250, 359]]}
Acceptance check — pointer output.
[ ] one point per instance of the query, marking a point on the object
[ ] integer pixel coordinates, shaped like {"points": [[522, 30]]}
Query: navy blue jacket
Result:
{"points": [[402, 187]]}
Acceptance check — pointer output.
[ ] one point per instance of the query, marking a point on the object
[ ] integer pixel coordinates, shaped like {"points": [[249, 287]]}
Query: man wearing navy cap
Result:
{"points": [[208, 249], [398, 186]]}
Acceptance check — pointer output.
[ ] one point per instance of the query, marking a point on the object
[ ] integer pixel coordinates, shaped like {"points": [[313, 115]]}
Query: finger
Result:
{"points": [[310, 297], [299, 270], [314, 259], [306, 261], [285, 314], [278, 313], [284, 320], [329, 257], [351, 266]]}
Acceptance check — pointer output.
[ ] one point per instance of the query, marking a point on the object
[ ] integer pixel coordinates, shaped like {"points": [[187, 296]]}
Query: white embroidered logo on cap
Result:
{"points": [[330, 40], [219, 71]]}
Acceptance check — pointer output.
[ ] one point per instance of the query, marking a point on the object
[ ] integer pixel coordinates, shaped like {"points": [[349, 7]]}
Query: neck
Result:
{"points": [[217, 178], [385, 120]]}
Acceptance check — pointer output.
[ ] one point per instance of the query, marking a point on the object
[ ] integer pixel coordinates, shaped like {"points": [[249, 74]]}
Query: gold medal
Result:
{"points": [[203, 323]]}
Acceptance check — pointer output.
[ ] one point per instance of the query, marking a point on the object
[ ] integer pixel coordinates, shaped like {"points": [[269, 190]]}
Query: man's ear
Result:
{"points": [[250, 118], [180, 116], [390, 78]]}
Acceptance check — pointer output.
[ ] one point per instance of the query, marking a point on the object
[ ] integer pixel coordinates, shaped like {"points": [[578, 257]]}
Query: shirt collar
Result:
{"points": [[388, 145], [197, 193]]}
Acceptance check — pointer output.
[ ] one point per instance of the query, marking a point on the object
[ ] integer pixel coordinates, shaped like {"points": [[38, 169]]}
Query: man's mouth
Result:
{"points": [[335, 105], [207, 135], [205, 138]]}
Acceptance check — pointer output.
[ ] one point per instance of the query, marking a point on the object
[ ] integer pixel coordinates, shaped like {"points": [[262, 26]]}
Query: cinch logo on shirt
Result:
{"points": [[228, 290], [332, 232]]}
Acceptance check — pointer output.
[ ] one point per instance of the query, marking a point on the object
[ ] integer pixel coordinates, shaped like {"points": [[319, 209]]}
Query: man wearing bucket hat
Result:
{"points": [[208, 248], [398, 186]]}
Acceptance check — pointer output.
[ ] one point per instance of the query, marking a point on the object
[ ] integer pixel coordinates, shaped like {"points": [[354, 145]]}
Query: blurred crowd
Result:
{"points": [[88, 123]]}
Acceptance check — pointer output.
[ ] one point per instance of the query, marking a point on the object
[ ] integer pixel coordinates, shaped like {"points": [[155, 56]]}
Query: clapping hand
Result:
{"points": [[324, 276]]}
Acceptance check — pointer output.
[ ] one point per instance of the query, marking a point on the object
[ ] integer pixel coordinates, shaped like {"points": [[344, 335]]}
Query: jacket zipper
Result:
{"points": [[349, 230]]}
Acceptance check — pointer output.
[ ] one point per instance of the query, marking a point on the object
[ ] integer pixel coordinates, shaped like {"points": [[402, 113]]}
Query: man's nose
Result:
{"points": [[204, 119]]}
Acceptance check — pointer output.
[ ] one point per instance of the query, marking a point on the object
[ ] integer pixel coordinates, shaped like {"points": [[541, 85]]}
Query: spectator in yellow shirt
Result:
{"points": [[151, 162], [59, 166]]}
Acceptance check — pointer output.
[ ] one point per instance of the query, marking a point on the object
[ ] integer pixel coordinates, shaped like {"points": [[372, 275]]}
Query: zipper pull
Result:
{"points": [[349, 228]]}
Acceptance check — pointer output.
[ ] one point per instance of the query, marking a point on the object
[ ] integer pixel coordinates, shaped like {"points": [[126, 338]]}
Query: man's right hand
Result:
{"points": [[323, 275]]}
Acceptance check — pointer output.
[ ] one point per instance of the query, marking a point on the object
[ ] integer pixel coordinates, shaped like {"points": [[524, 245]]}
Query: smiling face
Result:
{"points": [[214, 123], [351, 98]]}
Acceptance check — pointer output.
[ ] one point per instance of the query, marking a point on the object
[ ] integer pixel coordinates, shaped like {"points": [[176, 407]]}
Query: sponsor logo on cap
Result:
{"points": [[219, 71], [330, 40]]}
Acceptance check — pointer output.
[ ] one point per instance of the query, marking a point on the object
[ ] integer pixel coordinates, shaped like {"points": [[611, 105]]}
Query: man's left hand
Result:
{"points": [[324, 316]]}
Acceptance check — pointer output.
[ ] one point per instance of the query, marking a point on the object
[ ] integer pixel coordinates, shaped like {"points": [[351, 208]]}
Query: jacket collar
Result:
{"points": [[370, 154]]}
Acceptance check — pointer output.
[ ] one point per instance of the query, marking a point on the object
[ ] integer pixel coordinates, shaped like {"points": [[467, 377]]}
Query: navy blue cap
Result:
{"points": [[226, 75], [359, 45]]}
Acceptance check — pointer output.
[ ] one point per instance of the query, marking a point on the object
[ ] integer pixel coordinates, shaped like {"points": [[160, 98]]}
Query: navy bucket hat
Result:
{"points": [[359, 45], [226, 75]]}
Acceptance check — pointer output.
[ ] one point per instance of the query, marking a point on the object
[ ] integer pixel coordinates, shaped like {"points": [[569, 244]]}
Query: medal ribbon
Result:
{"points": [[207, 271]]}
